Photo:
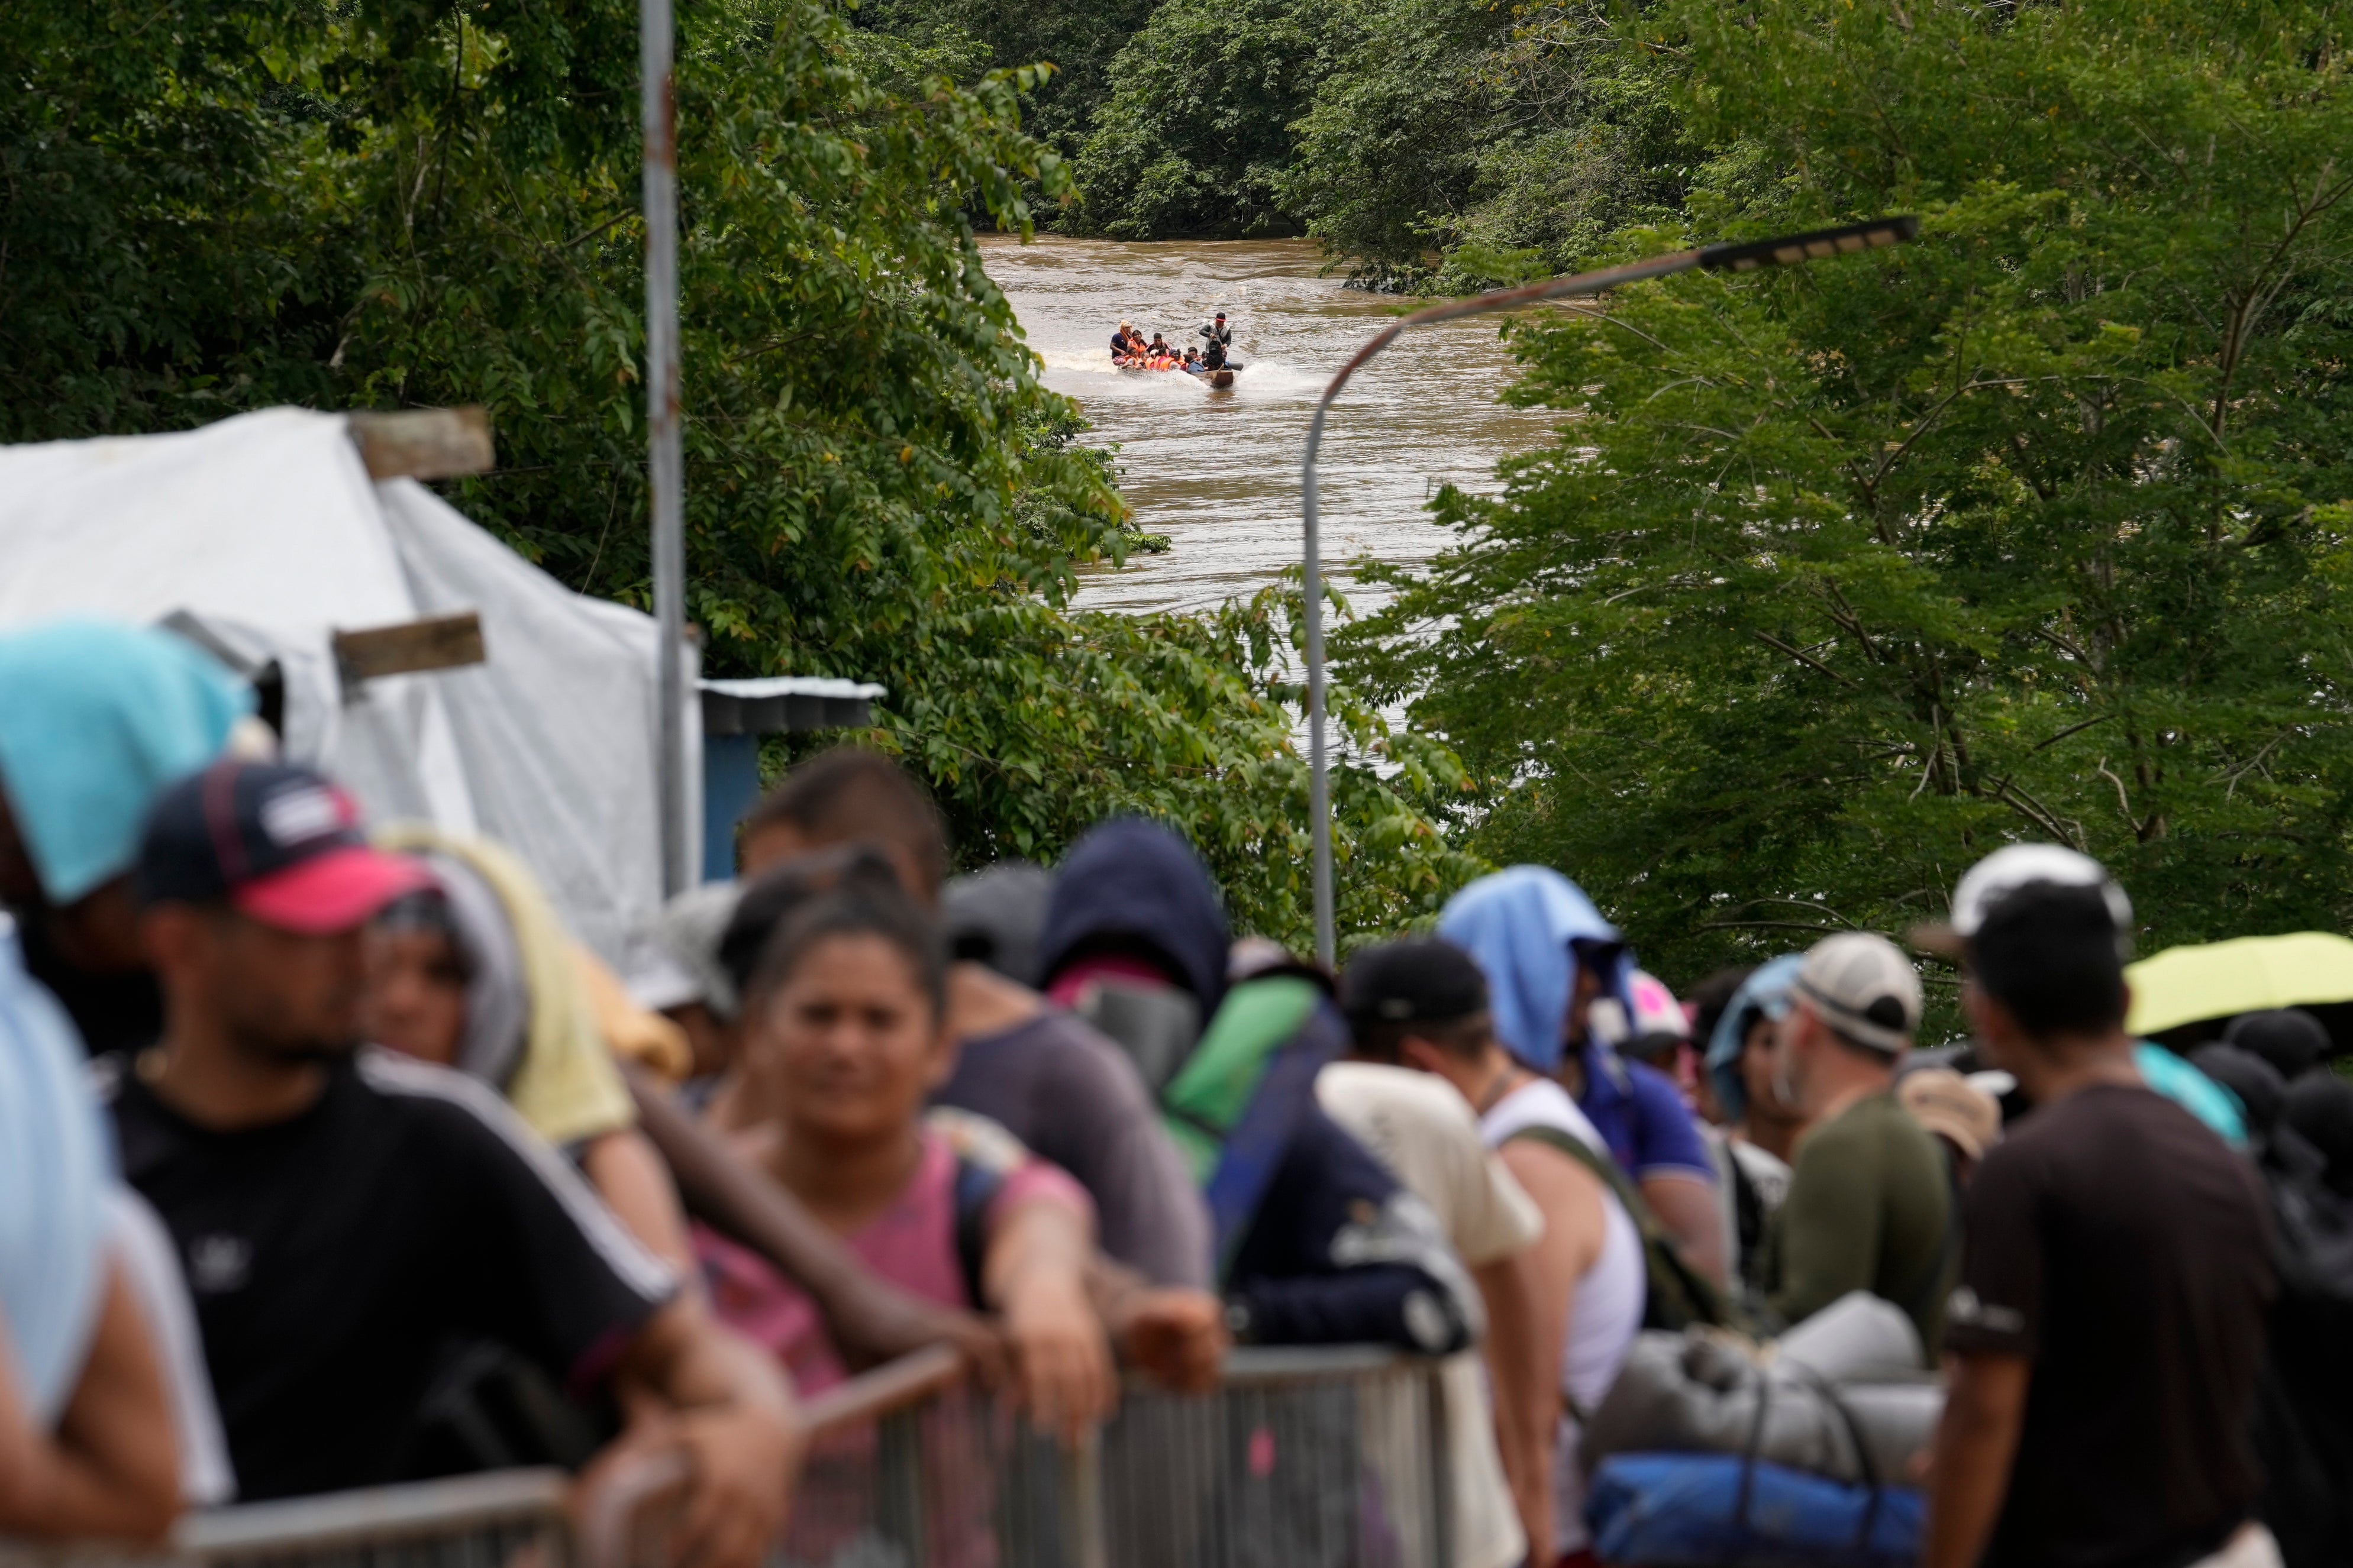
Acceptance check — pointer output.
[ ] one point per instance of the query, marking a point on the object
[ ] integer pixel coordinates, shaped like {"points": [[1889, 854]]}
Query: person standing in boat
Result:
{"points": [[1214, 354]]}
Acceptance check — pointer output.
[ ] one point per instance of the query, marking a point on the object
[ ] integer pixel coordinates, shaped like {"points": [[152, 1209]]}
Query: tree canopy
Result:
{"points": [[1837, 577], [376, 202]]}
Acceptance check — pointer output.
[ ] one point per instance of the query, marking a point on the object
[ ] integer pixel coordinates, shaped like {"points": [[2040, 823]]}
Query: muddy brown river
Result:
{"points": [[1219, 471]]}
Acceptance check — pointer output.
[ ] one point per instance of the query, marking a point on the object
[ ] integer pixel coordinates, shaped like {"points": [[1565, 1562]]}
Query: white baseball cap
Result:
{"points": [[2015, 866]]}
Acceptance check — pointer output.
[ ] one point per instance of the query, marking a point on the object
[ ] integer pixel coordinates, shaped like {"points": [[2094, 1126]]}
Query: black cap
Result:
{"points": [[2261, 1090], [2291, 1039], [1426, 981], [281, 844], [1221, 315]]}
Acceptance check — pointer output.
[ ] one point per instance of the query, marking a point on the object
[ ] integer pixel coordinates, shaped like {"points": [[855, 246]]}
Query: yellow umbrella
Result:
{"points": [[2184, 985]]}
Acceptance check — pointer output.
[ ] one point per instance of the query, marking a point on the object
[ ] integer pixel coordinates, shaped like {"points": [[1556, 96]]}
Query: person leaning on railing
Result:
{"points": [[1048, 1077], [345, 1213], [845, 1035]]}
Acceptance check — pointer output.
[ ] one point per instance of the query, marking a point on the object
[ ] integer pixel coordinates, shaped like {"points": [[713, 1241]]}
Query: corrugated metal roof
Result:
{"points": [[779, 704]]}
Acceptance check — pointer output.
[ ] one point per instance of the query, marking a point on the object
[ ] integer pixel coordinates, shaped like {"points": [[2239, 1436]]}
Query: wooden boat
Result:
{"points": [[1220, 378]]}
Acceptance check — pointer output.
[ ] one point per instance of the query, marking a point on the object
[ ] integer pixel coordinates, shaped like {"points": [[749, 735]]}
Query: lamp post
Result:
{"points": [[657, 110], [1746, 257]]}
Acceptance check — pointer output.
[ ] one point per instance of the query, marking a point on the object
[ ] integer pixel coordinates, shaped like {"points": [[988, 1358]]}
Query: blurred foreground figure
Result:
{"points": [[345, 1212], [476, 972], [96, 718], [2109, 1323], [845, 1037], [1045, 1076], [86, 1429]]}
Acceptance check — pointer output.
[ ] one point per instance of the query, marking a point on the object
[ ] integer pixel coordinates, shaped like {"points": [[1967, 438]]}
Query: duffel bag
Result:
{"points": [[1731, 1511]]}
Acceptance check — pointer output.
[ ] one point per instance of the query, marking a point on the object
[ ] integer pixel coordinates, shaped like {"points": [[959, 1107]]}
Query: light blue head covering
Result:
{"points": [[96, 717], [55, 1167], [1518, 924], [1767, 992]]}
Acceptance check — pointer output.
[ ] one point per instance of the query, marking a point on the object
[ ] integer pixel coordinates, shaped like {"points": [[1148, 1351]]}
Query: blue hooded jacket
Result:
{"points": [[1130, 882], [1320, 1243], [1767, 991], [1522, 925], [96, 718], [1518, 924]]}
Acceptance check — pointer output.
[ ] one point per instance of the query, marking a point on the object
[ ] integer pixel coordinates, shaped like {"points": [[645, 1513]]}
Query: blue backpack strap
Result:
{"points": [[1255, 1146], [986, 1155], [976, 1189]]}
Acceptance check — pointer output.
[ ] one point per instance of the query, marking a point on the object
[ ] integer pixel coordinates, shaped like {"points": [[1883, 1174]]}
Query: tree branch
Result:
{"points": [[1770, 640]]}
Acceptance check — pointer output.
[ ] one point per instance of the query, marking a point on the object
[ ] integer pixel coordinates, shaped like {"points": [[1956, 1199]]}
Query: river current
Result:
{"points": [[1219, 471]]}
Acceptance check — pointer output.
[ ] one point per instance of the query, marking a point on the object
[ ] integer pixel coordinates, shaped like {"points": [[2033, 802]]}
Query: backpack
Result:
{"points": [[1233, 1105], [1676, 1296]]}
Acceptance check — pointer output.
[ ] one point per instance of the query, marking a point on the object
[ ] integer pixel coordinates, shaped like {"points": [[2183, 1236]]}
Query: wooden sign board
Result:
{"points": [[424, 443], [447, 642]]}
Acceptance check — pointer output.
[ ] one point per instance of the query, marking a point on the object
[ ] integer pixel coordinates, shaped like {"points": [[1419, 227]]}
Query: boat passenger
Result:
{"points": [[1123, 343], [1193, 361]]}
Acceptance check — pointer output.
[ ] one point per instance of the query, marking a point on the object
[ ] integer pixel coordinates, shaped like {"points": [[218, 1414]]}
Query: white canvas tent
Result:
{"points": [[263, 536]]}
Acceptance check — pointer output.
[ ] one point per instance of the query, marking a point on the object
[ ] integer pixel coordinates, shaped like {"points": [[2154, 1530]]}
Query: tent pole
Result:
{"points": [[666, 461]]}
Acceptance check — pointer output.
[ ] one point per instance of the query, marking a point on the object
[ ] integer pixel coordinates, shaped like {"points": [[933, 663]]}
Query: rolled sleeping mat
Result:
{"points": [[1703, 1393], [1859, 1338]]}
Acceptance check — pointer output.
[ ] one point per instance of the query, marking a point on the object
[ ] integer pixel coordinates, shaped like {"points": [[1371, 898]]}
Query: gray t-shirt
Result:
{"points": [[1057, 1084]]}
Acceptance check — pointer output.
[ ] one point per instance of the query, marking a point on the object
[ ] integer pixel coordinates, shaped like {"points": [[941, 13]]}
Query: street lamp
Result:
{"points": [[1746, 256], [666, 464]]}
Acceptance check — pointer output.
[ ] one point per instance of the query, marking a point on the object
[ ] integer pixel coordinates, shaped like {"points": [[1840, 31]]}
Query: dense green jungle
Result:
{"points": [[1833, 578]]}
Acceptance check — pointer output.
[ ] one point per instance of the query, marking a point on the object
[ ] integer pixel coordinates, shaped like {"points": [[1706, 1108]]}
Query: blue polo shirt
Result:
{"points": [[1642, 1118]]}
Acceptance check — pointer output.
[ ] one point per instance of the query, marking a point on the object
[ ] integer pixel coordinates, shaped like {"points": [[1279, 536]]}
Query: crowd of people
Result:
{"points": [[333, 1160], [1131, 350]]}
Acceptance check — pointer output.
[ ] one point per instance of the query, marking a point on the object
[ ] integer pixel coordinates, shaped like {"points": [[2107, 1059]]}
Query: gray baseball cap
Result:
{"points": [[1863, 987]]}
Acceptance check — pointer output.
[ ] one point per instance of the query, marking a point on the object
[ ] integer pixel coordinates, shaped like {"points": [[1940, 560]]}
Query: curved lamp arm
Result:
{"points": [[1746, 256]]}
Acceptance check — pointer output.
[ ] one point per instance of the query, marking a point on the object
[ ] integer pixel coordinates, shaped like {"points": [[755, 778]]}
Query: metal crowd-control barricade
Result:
{"points": [[508, 1518], [1328, 1459]]}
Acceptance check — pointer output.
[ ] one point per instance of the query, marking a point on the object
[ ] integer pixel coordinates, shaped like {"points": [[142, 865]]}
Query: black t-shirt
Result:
{"points": [[333, 1257], [2116, 1242]]}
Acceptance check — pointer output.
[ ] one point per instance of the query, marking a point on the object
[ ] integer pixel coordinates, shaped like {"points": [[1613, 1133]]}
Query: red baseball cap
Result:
{"points": [[281, 844]]}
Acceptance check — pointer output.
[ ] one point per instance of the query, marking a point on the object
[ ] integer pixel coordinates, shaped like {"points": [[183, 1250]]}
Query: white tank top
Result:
{"points": [[1607, 1312]]}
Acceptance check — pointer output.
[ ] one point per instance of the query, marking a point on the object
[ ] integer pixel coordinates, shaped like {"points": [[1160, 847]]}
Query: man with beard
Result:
{"points": [[344, 1215]]}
